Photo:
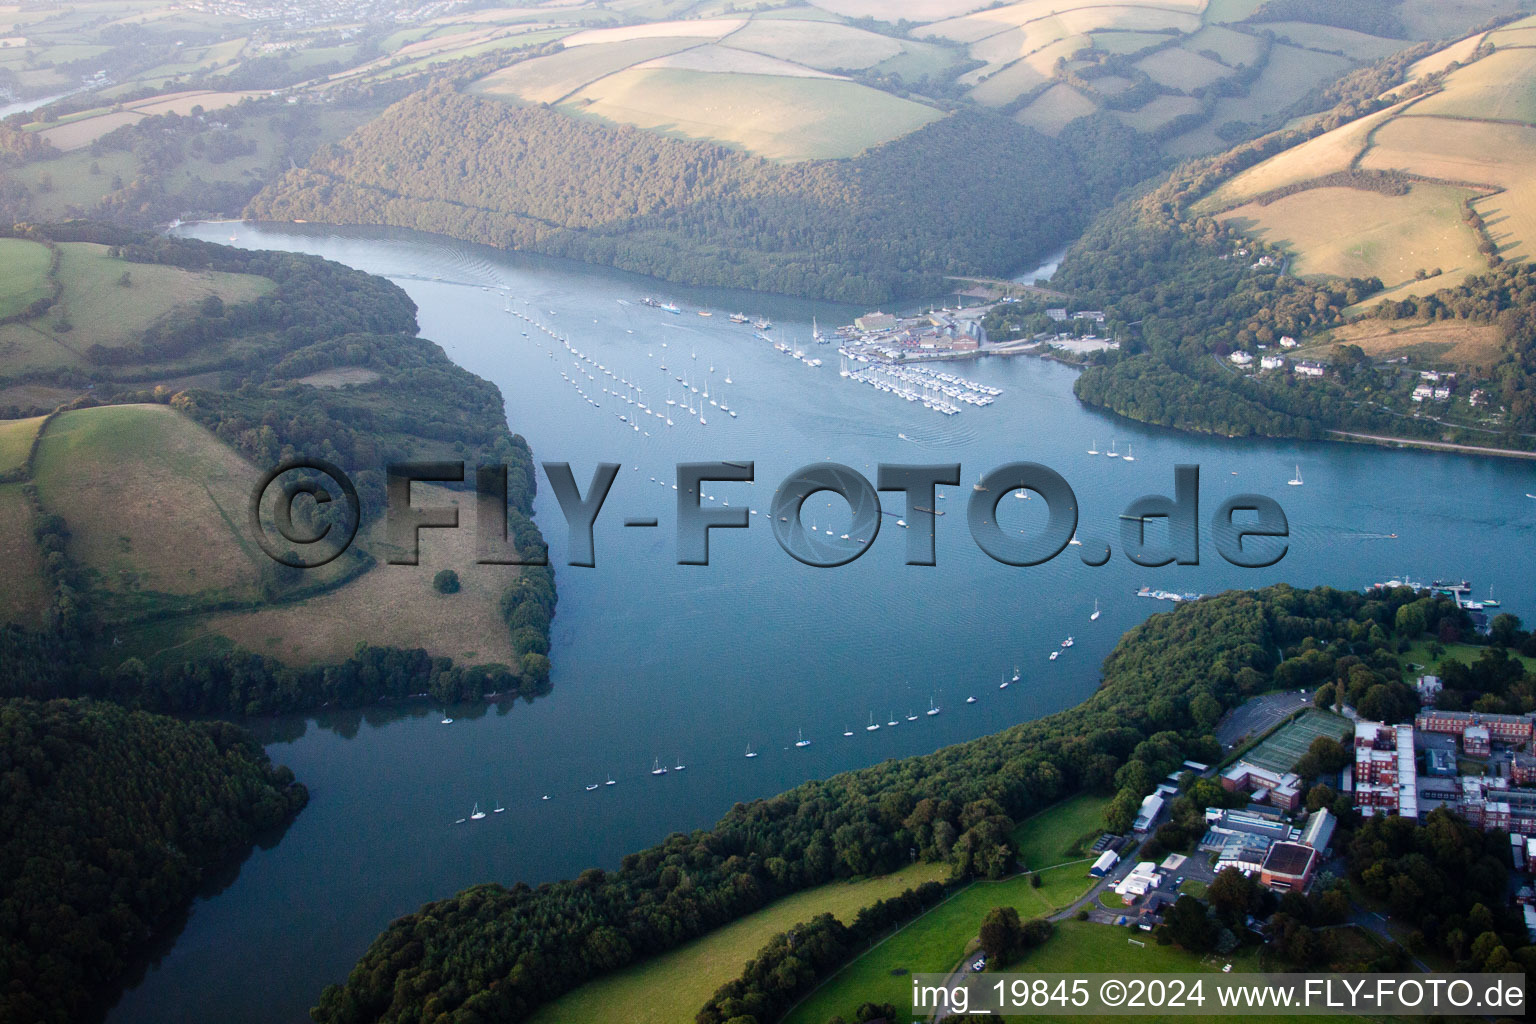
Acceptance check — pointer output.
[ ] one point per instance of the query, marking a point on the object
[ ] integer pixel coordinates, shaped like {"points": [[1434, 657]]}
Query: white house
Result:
{"points": [[1308, 368], [1286, 341], [1422, 392], [1271, 363], [1240, 358]]}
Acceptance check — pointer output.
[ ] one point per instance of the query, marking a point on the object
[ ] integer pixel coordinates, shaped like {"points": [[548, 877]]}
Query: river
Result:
{"points": [[691, 664]]}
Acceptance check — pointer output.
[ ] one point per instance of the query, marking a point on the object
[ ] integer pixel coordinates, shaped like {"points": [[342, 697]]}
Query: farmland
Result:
{"points": [[121, 476], [1448, 342], [673, 986], [16, 442], [23, 274], [96, 307], [1390, 237], [781, 118]]}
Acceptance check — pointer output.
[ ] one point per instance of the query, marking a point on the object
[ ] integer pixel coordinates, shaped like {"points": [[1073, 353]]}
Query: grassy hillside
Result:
{"points": [[1466, 146], [23, 275], [673, 986], [126, 510]]}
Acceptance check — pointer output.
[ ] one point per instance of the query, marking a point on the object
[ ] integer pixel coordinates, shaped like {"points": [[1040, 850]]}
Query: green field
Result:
{"points": [[673, 986], [776, 117], [1054, 835], [1348, 232], [24, 597], [23, 274], [155, 504], [94, 309], [16, 442], [1419, 654], [1281, 751], [934, 942]]}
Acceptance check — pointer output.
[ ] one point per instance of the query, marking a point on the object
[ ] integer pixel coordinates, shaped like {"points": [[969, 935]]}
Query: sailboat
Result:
{"points": [[476, 814], [911, 716], [1128, 456], [750, 751], [847, 732], [873, 725], [933, 709], [679, 767], [1295, 481], [1112, 453], [610, 782], [656, 768], [802, 741], [1490, 601], [894, 720], [1004, 684], [979, 485], [970, 700], [1093, 447], [1095, 616], [499, 808], [1015, 673], [591, 787], [446, 720]]}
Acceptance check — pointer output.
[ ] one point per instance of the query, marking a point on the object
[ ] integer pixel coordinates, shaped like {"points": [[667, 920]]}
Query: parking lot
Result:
{"points": [[1258, 716]]}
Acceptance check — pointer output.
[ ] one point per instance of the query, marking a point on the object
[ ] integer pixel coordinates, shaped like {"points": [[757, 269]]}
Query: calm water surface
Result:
{"points": [[654, 661]]}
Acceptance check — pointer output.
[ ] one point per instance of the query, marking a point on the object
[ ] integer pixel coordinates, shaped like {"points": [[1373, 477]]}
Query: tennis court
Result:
{"points": [[1281, 751]]}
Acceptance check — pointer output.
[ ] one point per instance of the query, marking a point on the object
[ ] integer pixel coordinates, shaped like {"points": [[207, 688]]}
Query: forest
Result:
{"points": [[109, 821], [973, 193], [498, 952]]}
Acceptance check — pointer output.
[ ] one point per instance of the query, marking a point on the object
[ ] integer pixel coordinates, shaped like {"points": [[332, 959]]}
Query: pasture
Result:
{"points": [[1500, 87], [1115, 41], [23, 274], [390, 605], [1180, 69], [712, 28], [1329, 153], [16, 442], [551, 78], [1352, 233], [1152, 116], [779, 118], [155, 505], [1472, 151], [24, 597], [1003, 87], [718, 59], [1450, 342], [94, 309], [673, 986], [1054, 835], [1281, 751], [1054, 109], [934, 943], [818, 44], [1331, 39], [1231, 46]]}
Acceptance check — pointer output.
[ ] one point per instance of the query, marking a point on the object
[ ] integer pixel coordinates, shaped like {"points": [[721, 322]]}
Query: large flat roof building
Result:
{"points": [[1386, 771], [1288, 867]]}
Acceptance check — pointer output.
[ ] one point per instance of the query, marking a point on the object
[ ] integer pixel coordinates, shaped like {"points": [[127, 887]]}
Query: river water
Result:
{"points": [[691, 664]]}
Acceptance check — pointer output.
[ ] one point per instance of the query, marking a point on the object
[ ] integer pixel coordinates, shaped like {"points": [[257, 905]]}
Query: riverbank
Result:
{"points": [[1446, 446]]}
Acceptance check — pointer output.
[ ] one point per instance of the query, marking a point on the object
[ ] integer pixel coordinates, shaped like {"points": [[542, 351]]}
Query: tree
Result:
{"points": [[1189, 925], [446, 582], [1232, 894], [1325, 696], [1001, 933]]}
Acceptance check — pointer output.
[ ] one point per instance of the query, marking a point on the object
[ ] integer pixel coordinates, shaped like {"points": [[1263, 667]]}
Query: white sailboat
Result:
{"points": [[656, 768], [610, 782], [1112, 453], [1296, 480], [446, 720], [1128, 456], [1015, 673], [873, 725], [1095, 616], [679, 767], [802, 741], [970, 700], [933, 708], [498, 809], [1004, 684], [750, 751], [1093, 447], [847, 732], [476, 814], [894, 720], [591, 787]]}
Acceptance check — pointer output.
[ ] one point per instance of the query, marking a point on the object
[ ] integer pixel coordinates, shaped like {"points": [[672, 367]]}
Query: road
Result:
{"points": [[1445, 446]]}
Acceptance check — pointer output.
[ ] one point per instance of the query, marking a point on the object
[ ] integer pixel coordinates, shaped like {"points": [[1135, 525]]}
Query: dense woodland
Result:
{"points": [[945, 199], [320, 316], [494, 952], [109, 820]]}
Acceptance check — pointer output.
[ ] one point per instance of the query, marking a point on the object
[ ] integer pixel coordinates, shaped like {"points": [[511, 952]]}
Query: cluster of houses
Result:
{"points": [[1268, 361], [932, 332]]}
